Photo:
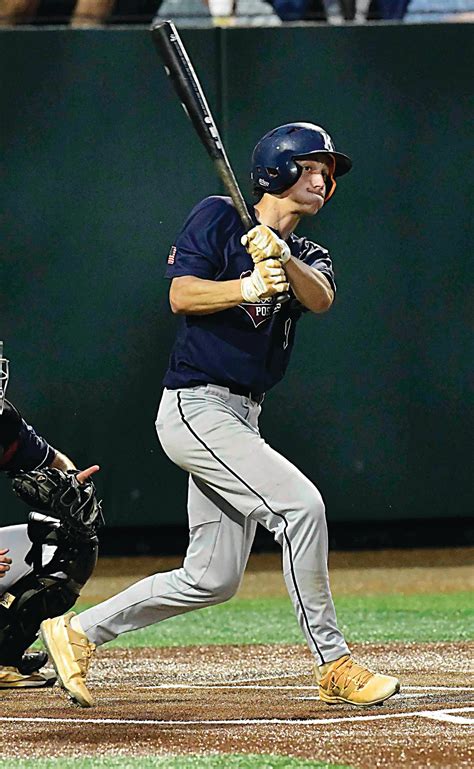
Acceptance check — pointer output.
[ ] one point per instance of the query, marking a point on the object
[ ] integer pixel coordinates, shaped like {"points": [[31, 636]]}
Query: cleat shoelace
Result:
{"points": [[82, 651], [350, 676]]}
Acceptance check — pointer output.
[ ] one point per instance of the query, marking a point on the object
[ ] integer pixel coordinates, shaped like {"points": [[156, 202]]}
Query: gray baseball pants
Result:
{"points": [[236, 480]]}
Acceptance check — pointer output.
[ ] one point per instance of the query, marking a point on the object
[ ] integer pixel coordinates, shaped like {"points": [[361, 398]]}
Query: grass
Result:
{"points": [[378, 618], [223, 761]]}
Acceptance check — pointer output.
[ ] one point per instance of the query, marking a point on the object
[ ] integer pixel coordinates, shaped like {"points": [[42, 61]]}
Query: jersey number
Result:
{"points": [[287, 332]]}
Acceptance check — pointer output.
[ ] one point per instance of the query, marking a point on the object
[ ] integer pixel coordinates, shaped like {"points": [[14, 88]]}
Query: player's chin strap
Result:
{"points": [[4, 377], [50, 589]]}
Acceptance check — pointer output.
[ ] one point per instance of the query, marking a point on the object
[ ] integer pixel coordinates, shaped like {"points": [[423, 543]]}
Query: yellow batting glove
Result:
{"points": [[262, 243], [267, 279]]}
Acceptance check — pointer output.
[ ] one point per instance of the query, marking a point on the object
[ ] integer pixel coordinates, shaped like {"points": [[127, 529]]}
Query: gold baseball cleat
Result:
{"points": [[344, 680], [11, 678], [70, 652]]}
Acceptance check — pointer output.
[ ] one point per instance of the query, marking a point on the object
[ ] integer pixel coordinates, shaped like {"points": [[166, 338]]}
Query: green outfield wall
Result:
{"points": [[100, 170]]}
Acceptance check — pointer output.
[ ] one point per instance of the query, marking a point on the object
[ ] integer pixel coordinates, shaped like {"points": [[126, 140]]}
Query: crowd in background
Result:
{"points": [[92, 13]]}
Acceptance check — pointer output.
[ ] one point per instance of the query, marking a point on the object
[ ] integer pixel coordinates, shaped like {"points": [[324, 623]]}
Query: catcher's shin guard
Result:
{"points": [[48, 591]]}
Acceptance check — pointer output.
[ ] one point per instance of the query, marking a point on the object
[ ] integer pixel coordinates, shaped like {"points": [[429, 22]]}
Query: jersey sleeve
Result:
{"points": [[24, 450], [199, 248], [319, 258]]}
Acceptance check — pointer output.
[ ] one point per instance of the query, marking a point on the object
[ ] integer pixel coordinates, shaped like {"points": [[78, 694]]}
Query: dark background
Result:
{"points": [[101, 168]]}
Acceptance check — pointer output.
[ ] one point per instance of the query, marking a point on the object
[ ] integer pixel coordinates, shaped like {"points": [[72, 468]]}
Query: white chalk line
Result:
{"points": [[223, 686], [450, 719], [409, 696], [291, 687], [433, 714]]}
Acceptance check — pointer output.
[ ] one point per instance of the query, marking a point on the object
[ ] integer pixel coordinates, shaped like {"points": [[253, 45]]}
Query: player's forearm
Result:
{"points": [[195, 296], [310, 286], [62, 462]]}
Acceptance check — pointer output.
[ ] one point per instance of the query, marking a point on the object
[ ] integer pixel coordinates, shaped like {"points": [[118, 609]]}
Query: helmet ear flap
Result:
{"points": [[292, 172], [276, 179], [332, 188], [331, 182]]}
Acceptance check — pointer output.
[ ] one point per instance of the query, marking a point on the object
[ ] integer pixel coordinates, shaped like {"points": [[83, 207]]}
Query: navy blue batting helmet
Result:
{"points": [[274, 169]]}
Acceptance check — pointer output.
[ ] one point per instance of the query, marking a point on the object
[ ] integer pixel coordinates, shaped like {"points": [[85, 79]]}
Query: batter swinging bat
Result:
{"points": [[179, 68]]}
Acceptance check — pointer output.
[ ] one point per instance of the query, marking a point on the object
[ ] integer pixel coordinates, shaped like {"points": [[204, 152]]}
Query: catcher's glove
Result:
{"points": [[61, 495]]}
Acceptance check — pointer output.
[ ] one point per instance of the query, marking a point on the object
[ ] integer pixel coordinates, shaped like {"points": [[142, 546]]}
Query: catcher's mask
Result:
{"points": [[4, 376]]}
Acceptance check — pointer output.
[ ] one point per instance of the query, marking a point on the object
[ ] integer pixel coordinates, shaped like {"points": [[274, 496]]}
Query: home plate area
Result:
{"points": [[253, 699]]}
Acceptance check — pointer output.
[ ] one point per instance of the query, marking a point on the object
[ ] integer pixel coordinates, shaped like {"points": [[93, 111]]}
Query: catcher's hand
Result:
{"points": [[262, 243], [4, 562], [70, 497]]}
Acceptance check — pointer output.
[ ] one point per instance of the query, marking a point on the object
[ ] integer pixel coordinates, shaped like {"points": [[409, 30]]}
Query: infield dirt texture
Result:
{"points": [[230, 686]]}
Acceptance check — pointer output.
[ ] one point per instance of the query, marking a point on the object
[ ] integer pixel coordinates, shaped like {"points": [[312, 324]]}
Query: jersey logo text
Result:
{"points": [[260, 311]]}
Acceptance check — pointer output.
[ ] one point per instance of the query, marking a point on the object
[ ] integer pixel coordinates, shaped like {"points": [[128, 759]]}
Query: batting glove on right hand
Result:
{"points": [[262, 243], [267, 279]]}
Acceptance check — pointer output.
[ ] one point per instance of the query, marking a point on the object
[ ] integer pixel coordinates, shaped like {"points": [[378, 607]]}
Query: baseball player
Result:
{"points": [[45, 563], [234, 342]]}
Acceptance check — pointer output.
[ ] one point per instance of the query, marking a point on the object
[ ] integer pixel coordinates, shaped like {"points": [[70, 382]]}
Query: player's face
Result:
{"points": [[309, 191]]}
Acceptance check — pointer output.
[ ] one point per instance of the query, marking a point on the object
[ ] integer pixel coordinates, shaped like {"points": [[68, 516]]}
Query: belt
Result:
{"points": [[235, 390], [255, 397]]}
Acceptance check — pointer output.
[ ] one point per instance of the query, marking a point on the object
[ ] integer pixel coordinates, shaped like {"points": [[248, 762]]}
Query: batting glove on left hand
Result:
{"points": [[262, 243]]}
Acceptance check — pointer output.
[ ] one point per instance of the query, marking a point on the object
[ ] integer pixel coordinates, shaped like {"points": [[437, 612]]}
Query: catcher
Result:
{"points": [[43, 564]]}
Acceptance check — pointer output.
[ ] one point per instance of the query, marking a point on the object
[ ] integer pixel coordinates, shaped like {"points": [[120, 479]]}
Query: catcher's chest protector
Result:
{"points": [[48, 591]]}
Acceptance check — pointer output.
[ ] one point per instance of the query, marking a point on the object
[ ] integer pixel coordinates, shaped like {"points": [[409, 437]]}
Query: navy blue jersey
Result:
{"points": [[20, 447], [245, 348]]}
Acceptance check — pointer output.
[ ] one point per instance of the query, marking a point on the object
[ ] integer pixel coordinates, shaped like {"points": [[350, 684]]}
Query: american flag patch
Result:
{"points": [[172, 255]]}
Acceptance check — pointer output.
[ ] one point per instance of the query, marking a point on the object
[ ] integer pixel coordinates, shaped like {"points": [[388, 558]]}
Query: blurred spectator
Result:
{"points": [[222, 11], [387, 9], [81, 13], [91, 13], [221, 7], [286, 10], [94, 13], [248, 12], [299, 10], [426, 11]]}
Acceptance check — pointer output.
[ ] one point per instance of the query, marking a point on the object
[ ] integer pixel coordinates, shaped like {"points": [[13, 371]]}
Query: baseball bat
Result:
{"points": [[185, 81]]}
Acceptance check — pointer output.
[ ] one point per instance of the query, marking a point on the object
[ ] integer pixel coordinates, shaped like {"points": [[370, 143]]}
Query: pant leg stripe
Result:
{"points": [[265, 503]]}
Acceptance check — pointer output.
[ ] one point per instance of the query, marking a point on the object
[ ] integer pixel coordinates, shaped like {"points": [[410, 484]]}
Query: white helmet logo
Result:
{"points": [[328, 145]]}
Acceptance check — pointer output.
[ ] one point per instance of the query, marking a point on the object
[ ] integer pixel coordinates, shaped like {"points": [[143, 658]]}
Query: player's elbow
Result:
{"points": [[322, 298], [176, 308], [325, 301], [180, 296], [177, 300], [318, 302]]}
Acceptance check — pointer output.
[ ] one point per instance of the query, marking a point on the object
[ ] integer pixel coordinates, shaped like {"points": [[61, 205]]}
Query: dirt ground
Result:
{"points": [[261, 699]]}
